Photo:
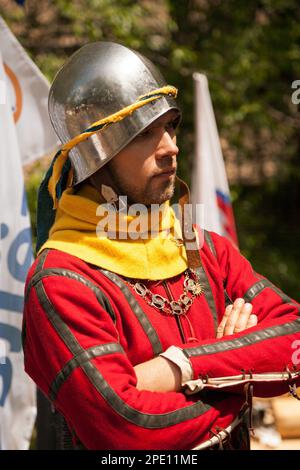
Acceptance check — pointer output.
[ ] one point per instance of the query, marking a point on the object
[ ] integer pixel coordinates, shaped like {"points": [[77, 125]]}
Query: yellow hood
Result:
{"points": [[79, 229]]}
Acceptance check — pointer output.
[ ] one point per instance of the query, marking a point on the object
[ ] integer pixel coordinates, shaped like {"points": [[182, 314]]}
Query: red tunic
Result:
{"points": [[85, 329]]}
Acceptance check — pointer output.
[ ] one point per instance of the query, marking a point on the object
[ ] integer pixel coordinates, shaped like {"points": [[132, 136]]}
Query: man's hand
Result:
{"points": [[237, 317]]}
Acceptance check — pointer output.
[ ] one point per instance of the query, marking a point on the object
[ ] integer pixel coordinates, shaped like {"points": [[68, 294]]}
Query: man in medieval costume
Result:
{"points": [[143, 330]]}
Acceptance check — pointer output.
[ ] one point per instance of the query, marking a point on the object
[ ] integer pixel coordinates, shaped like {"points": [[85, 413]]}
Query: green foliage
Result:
{"points": [[250, 53], [268, 228]]}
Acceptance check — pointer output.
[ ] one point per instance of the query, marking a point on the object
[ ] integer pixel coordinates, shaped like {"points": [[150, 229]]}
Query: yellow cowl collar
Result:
{"points": [[74, 232]]}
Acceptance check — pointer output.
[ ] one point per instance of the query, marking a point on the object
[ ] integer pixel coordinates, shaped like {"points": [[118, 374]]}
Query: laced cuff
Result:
{"points": [[176, 355]]}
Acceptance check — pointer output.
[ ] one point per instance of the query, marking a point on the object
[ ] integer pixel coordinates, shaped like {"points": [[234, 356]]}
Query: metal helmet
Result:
{"points": [[98, 80]]}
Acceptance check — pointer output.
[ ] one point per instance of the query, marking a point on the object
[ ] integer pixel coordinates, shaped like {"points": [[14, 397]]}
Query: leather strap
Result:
{"points": [[188, 231]]}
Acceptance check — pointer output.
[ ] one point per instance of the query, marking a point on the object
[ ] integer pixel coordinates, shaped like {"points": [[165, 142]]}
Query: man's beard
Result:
{"points": [[148, 195]]}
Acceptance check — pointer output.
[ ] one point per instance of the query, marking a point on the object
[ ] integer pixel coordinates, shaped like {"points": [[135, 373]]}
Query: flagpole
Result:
{"points": [[209, 180]]}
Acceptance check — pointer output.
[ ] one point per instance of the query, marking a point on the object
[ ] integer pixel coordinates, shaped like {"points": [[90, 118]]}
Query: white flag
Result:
{"points": [[28, 90], [17, 391], [209, 181]]}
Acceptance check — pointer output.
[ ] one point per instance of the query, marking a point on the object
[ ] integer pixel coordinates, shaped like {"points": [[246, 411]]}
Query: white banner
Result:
{"points": [[17, 391], [209, 180], [28, 90]]}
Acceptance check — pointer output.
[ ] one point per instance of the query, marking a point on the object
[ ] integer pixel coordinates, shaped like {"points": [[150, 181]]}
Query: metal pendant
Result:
{"points": [[197, 289], [158, 301], [140, 289], [176, 308], [186, 300], [189, 284], [193, 286]]}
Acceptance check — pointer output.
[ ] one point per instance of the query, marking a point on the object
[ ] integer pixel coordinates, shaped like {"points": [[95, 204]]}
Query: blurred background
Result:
{"points": [[250, 53]]}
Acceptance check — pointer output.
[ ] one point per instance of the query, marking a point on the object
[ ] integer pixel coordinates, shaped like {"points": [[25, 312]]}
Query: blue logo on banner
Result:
{"points": [[13, 302]]}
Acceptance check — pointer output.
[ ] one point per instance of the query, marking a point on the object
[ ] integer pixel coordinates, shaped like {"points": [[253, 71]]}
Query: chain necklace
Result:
{"points": [[191, 289]]}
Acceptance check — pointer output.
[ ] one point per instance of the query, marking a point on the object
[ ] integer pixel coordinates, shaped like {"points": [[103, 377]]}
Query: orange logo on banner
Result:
{"points": [[17, 90]]}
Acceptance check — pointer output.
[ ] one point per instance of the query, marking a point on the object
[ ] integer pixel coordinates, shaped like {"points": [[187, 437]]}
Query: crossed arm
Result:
{"points": [[265, 348], [73, 352], [162, 375]]}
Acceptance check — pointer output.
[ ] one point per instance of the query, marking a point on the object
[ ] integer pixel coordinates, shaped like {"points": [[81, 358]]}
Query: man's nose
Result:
{"points": [[167, 146]]}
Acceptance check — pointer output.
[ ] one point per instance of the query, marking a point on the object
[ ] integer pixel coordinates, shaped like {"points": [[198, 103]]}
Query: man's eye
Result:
{"points": [[175, 123], [171, 126]]}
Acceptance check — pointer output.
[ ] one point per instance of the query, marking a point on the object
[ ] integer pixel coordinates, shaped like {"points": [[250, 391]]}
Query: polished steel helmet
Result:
{"points": [[98, 80]]}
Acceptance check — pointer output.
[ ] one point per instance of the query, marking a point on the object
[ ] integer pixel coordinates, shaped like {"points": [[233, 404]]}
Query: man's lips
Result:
{"points": [[168, 172]]}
